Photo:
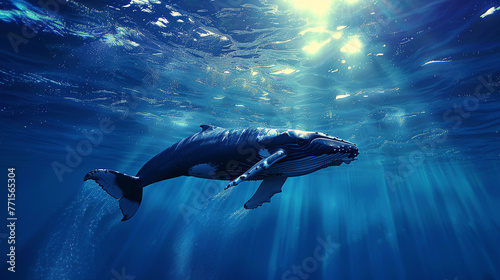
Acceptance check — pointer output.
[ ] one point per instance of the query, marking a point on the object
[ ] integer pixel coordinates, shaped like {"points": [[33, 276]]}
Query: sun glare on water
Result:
{"points": [[316, 7], [314, 47], [354, 45]]}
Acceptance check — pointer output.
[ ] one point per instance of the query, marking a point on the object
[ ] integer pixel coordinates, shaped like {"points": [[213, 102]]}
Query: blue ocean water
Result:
{"points": [[110, 84]]}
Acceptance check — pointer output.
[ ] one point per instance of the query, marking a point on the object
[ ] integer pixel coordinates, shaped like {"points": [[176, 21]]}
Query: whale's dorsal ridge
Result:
{"points": [[207, 127]]}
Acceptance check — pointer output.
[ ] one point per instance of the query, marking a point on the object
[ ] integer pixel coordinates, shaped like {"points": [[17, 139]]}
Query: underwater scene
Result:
{"points": [[250, 139]]}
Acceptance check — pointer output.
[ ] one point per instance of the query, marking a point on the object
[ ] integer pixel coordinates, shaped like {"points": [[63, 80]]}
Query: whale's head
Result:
{"points": [[312, 148]]}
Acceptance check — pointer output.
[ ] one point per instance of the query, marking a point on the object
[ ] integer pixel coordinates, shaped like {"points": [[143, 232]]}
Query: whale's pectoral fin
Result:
{"points": [[266, 190], [263, 164], [121, 186]]}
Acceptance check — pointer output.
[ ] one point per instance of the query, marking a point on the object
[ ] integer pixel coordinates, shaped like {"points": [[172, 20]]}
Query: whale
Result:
{"points": [[236, 155]]}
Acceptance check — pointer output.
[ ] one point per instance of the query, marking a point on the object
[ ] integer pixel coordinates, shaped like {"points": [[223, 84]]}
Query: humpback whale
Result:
{"points": [[235, 155]]}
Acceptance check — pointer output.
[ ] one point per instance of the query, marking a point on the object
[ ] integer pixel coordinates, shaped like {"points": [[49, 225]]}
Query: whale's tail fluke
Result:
{"points": [[120, 186]]}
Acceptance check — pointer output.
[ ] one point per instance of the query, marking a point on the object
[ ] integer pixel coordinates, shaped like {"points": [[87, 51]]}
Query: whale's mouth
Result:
{"points": [[335, 145]]}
